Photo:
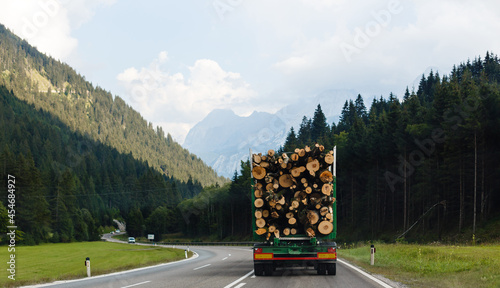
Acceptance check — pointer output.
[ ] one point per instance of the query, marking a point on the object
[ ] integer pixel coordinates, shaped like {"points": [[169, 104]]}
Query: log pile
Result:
{"points": [[293, 193]]}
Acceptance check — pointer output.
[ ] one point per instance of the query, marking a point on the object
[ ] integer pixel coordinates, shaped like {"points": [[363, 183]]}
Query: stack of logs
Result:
{"points": [[293, 194]]}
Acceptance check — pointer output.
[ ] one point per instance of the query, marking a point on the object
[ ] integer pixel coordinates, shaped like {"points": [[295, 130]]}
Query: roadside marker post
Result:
{"points": [[372, 255], [87, 264]]}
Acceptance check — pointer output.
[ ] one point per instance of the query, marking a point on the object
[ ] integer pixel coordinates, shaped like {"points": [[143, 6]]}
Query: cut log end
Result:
{"points": [[325, 227], [260, 223], [259, 172], [258, 202]]}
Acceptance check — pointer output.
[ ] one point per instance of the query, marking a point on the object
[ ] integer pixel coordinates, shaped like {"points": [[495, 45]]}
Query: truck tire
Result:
{"points": [[268, 268], [332, 269], [258, 269], [321, 269]]}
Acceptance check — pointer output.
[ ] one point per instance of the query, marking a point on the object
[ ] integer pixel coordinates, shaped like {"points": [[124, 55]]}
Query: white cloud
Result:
{"points": [[47, 24], [389, 42], [176, 101]]}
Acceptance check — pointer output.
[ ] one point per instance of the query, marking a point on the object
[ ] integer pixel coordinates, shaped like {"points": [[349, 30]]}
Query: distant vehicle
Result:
{"points": [[117, 230], [131, 240]]}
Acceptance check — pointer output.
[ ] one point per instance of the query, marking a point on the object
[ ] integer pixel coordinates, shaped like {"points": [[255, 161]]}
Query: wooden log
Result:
{"points": [[294, 157], [270, 152], [277, 233], [264, 164], [326, 176], [323, 211], [260, 222], [325, 227], [328, 159], [258, 172], [296, 171], [310, 232], [275, 215], [272, 228], [278, 207], [261, 231], [313, 217], [265, 213], [258, 193], [258, 202], [256, 158], [286, 231], [258, 214], [258, 186], [308, 190], [289, 215], [307, 149], [269, 187], [302, 153], [286, 180], [281, 200], [327, 189], [312, 165], [292, 221], [293, 231], [295, 204]]}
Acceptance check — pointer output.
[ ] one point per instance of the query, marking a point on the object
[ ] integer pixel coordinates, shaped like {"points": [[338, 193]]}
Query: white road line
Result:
{"points": [[136, 284], [380, 282], [202, 266], [241, 285], [224, 258], [239, 280], [253, 276]]}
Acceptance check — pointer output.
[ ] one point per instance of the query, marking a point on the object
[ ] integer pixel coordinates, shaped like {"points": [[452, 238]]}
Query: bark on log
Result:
{"points": [[261, 231]]}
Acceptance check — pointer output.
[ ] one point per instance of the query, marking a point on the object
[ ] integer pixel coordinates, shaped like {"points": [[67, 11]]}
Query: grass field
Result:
{"points": [[50, 262], [431, 265]]}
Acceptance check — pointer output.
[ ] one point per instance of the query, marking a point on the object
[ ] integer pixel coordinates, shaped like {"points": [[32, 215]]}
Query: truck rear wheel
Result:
{"points": [[321, 269], [268, 268], [258, 269], [332, 269]]}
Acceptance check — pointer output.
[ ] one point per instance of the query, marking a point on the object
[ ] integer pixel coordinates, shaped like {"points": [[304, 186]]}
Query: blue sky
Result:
{"points": [[175, 61]]}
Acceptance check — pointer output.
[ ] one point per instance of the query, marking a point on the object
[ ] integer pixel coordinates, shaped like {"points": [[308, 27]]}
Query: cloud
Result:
{"points": [[374, 46], [47, 24], [177, 101]]}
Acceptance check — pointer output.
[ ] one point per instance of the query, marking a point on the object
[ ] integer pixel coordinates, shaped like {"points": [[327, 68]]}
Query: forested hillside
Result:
{"points": [[67, 186], [429, 158], [56, 88]]}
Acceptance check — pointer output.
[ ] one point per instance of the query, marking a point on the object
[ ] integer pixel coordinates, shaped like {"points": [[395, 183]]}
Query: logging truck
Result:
{"points": [[294, 210]]}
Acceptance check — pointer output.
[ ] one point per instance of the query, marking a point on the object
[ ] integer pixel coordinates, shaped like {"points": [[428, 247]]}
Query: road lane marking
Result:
{"points": [[241, 285], [224, 258], [239, 280], [202, 266], [136, 284], [378, 281]]}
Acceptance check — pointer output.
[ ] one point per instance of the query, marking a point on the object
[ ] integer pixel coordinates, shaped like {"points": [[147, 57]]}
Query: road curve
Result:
{"points": [[217, 266]]}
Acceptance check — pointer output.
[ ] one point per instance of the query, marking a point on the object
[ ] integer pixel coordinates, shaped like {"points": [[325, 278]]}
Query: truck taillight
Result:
{"points": [[258, 250], [331, 250]]}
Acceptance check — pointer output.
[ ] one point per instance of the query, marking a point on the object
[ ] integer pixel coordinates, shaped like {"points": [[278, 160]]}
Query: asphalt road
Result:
{"points": [[217, 266]]}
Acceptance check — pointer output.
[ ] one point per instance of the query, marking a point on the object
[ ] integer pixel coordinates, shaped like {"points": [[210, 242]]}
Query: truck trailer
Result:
{"points": [[294, 210]]}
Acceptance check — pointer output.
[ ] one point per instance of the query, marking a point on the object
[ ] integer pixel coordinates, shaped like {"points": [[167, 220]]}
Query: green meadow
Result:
{"points": [[431, 265], [63, 261]]}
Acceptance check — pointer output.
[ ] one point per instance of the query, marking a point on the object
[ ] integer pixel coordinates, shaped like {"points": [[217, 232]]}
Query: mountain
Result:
{"points": [[57, 89], [223, 139]]}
